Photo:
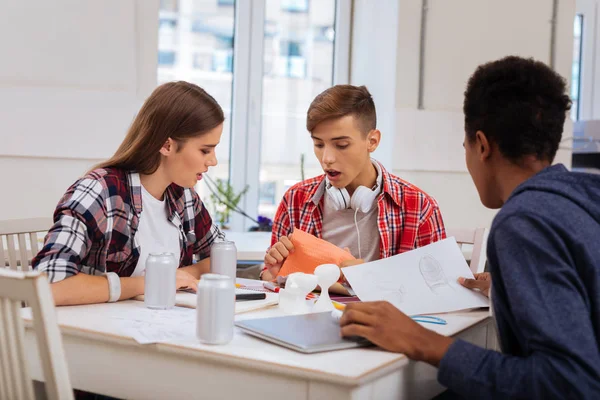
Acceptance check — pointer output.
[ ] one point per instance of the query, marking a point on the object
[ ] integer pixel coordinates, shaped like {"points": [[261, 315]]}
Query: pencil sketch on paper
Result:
{"points": [[433, 274], [421, 281], [391, 291]]}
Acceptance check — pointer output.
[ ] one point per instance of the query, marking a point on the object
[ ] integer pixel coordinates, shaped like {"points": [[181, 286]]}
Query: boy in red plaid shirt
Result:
{"points": [[356, 204]]}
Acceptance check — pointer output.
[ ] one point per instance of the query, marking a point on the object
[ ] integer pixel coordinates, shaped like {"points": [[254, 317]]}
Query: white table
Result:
{"points": [[103, 360]]}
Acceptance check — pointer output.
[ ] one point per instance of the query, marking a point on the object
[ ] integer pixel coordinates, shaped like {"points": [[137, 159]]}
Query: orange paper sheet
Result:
{"points": [[310, 252]]}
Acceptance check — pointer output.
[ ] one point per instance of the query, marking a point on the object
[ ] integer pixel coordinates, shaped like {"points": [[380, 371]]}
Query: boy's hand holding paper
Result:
{"points": [[310, 252], [277, 254], [303, 252]]}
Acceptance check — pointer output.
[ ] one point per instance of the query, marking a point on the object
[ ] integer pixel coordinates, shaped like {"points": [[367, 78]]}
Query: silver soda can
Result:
{"points": [[160, 281], [215, 309], [223, 259]]}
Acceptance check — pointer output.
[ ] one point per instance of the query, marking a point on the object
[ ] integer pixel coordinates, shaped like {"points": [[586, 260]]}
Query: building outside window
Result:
{"points": [[166, 58], [197, 43], [298, 65], [294, 6]]}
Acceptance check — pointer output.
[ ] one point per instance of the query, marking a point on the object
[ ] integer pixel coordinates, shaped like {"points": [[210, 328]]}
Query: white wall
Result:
{"points": [[73, 75], [459, 35]]}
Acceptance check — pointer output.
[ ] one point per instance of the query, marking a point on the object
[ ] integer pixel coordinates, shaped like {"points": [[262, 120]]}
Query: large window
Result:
{"points": [[264, 61], [576, 67], [298, 65], [195, 44]]}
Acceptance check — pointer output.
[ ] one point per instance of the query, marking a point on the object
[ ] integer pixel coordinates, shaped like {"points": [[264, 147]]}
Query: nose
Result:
{"points": [[328, 156], [212, 161]]}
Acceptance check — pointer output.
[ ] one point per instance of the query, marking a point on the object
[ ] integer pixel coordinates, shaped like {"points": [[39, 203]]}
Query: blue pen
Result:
{"points": [[336, 315], [428, 319]]}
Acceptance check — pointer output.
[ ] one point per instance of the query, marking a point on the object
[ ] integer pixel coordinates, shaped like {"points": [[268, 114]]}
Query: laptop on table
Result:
{"points": [[306, 333]]}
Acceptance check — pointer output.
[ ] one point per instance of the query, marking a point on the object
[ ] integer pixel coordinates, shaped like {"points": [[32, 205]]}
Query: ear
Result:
{"points": [[168, 147], [373, 139], [483, 146]]}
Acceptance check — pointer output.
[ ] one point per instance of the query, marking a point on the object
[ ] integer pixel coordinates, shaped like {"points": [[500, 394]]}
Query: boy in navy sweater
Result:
{"points": [[543, 251]]}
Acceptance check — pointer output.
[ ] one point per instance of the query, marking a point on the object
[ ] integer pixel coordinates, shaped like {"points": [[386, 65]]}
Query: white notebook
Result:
{"points": [[185, 299]]}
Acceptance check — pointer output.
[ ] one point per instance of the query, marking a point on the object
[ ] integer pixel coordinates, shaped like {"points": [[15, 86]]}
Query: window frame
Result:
{"points": [[244, 162], [581, 18], [590, 61], [246, 100]]}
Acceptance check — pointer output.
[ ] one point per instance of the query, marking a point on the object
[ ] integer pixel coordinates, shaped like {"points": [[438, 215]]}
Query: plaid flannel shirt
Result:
{"points": [[407, 217], [96, 220]]}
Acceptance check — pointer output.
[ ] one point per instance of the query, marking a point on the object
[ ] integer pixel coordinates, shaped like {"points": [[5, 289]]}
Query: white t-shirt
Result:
{"points": [[155, 234], [339, 228]]}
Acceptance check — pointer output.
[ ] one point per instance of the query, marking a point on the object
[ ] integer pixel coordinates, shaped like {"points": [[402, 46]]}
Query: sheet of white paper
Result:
{"points": [[179, 323], [421, 281], [155, 326]]}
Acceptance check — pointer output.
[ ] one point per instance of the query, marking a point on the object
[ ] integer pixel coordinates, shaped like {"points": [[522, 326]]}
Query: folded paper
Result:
{"points": [[310, 252]]}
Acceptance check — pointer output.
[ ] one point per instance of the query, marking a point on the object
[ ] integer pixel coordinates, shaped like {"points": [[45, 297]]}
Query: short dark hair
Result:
{"points": [[520, 104], [342, 100]]}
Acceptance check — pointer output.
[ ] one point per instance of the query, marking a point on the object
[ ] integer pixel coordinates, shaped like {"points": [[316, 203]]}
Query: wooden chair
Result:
{"points": [[476, 237], [23, 232], [15, 380]]}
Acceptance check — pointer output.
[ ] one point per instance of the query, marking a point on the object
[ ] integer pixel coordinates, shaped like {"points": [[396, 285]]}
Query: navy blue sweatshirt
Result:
{"points": [[544, 258]]}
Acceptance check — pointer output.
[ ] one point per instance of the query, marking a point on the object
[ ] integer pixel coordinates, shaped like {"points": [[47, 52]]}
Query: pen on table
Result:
{"points": [[336, 315], [250, 296], [190, 290], [273, 288], [429, 319], [270, 286]]}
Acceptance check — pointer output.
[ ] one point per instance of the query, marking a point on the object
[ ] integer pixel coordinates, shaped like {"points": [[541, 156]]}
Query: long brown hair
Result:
{"points": [[176, 110]]}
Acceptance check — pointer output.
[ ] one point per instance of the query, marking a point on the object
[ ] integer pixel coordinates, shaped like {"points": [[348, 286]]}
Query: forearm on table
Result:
{"points": [[201, 267], [89, 289]]}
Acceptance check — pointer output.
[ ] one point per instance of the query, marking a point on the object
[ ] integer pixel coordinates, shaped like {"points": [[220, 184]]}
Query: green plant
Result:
{"points": [[225, 200]]}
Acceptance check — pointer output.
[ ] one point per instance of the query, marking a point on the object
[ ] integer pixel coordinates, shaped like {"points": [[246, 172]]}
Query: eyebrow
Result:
{"points": [[335, 138], [209, 145]]}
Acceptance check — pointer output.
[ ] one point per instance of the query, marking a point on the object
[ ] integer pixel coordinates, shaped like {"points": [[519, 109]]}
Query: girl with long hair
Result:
{"points": [[140, 201]]}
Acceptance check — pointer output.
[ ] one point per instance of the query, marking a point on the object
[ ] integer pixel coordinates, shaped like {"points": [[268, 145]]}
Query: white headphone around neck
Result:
{"points": [[362, 199]]}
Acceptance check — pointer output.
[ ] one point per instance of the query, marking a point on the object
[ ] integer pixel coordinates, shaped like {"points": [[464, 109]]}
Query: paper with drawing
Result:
{"points": [[421, 281], [156, 326]]}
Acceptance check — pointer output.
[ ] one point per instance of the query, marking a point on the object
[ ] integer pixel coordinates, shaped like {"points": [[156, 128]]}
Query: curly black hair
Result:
{"points": [[520, 104]]}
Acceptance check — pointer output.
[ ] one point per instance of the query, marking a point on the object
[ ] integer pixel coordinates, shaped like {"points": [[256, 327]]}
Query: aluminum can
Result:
{"points": [[223, 259], [215, 309], [160, 281]]}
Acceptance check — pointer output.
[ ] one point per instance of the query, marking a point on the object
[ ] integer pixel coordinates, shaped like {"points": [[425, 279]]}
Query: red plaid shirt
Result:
{"points": [[408, 218], [96, 221]]}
